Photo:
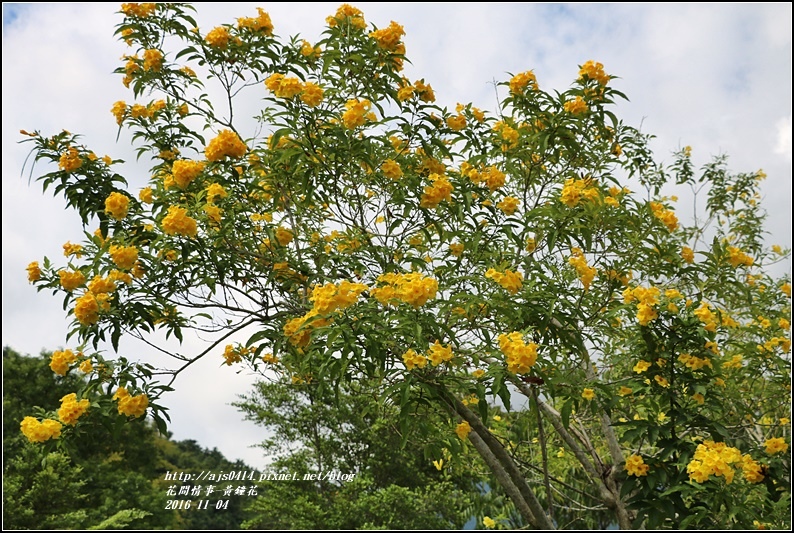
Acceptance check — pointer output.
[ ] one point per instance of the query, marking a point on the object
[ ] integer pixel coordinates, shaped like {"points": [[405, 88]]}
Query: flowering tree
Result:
{"points": [[454, 259]]}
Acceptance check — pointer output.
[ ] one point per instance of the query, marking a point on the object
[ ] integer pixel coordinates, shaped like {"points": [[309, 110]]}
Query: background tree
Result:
{"points": [[95, 481], [505, 256]]}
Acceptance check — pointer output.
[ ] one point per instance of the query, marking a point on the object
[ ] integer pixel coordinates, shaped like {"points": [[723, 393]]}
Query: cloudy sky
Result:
{"points": [[716, 77]]}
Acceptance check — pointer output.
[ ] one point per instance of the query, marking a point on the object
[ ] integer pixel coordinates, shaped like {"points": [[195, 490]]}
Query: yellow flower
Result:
{"points": [[262, 23], [520, 82], [312, 94], [124, 257], [86, 367], [218, 37], [520, 356], [635, 466], [439, 464], [356, 113], [34, 272], [391, 169], [61, 361], [593, 71], [227, 143], [488, 522], [457, 122], [509, 280], [389, 38], [70, 160], [775, 445], [86, 309], [116, 205], [508, 205], [699, 398], [185, 171], [176, 222], [456, 249], [463, 429], [641, 367], [71, 409], [625, 391], [36, 431], [588, 394], [152, 59], [146, 195], [71, 280], [576, 107], [661, 381], [439, 354], [786, 288], [134, 406]]}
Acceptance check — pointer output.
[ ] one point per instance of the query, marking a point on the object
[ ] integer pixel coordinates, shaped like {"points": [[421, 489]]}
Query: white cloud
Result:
{"points": [[783, 146]]}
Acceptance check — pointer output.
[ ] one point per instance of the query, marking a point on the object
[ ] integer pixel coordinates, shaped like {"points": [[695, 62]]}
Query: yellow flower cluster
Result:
{"points": [[70, 160], [456, 122], [326, 299], [576, 190], [509, 205], [509, 280], [61, 360], [776, 445], [71, 409], [439, 354], [134, 406], [389, 38], [218, 37], [100, 285], [347, 14], [520, 356], [124, 257], [693, 362], [312, 94], [437, 192], [635, 466], [456, 249], [133, 9], [576, 107], [330, 297], [312, 52], [786, 289], [116, 205], [413, 360], [356, 113], [284, 236], [87, 307], [215, 190], [704, 314], [227, 143], [233, 355], [586, 273], [666, 216], [646, 299], [177, 222], [508, 134], [282, 86], [414, 289], [36, 431], [716, 458], [391, 169], [72, 249], [593, 71], [260, 23], [462, 430], [492, 177], [34, 272], [736, 257], [71, 280], [152, 59], [424, 91], [185, 171], [520, 82], [687, 254]]}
